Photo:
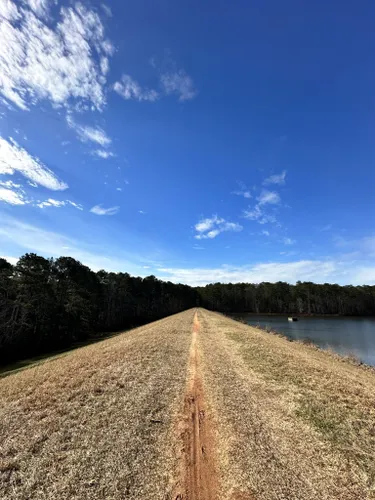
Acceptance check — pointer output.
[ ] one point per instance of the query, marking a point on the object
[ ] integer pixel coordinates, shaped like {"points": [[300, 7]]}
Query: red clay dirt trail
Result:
{"points": [[198, 474]]}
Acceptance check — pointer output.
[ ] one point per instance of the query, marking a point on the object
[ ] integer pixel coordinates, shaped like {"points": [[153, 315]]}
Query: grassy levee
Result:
{"points": [[98, 422], [278, 420], [292, 422]]}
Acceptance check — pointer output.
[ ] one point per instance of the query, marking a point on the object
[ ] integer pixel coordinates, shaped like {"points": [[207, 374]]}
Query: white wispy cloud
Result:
{"points": [[276, 178], [268, 197], [211, 227], [103, 154], [86, 133], [179, 83], [99, 210], [128, 88], [245, 194], [51, 203], [48, 243], [265, 233], [318, 271], [39, 7], [14, 194], [274, 271], [242, 191], [107, 10], [78, 206], [17, 233], [13, 158], [365, 246], [58, 203], [10, 184], [9, 11], [259, 212], [288, 241], [64, 61], [12, 197]]}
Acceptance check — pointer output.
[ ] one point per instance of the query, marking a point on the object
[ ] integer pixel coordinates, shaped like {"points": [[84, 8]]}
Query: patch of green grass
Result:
{"points": [[348, 432], [327, 419], [271, 367]]}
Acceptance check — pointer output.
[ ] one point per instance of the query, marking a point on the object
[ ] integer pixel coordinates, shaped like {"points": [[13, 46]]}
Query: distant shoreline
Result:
{"points": [[303, 315]]}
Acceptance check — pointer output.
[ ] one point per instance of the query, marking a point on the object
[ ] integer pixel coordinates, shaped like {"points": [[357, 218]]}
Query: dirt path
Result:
{"points": [[198, 475], [193, 407]]}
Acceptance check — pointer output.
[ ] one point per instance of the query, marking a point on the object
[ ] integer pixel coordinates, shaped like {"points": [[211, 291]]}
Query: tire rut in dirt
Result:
{"points": [[199, 480]]}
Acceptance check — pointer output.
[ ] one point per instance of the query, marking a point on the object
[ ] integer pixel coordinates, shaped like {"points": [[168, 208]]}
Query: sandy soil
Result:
{"points": [[193, 407]]}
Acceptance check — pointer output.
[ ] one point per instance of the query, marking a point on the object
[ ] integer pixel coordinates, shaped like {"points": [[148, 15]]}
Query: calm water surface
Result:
{"points": [[343, 335]]}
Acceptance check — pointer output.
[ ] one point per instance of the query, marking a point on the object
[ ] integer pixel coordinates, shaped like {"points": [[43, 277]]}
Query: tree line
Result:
{"points": [[49, 304], [302, 298]]}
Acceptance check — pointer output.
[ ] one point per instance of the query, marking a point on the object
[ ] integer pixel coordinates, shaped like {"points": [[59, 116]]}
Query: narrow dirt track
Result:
{"points": [[198, 475], [193, 407]]}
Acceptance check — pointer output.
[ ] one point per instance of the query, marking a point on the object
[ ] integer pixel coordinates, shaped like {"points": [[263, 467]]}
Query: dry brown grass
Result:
{"points": [[293, 422], [104, 422], [97, 422]]}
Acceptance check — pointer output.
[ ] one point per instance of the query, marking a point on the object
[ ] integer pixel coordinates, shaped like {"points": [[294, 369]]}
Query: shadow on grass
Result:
{"points": [[24, 364]]}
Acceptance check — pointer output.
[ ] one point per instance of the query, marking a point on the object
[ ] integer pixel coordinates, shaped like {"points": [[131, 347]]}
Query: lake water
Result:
{"points": [[344, 335]]}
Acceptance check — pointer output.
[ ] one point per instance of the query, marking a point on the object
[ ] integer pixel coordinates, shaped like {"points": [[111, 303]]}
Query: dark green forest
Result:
{"points": [[50, 304], [305, 298]]}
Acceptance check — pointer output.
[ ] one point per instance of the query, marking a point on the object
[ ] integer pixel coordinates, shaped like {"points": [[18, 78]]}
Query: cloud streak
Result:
{"points": [[14, 159], [99, 210], [58, 203], [40, 7], [101, 153], [276, 179], [318, 271], [14, 194], [49, 243], [12, 197], [86, 133]]}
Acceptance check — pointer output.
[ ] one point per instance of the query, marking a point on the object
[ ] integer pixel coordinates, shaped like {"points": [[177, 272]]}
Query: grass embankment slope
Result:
{"points": [[97, 423], [195, 406], [292, 422]]}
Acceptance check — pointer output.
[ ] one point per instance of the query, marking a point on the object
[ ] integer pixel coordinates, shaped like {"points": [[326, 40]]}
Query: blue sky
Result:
{"points": [[198, 142]]}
